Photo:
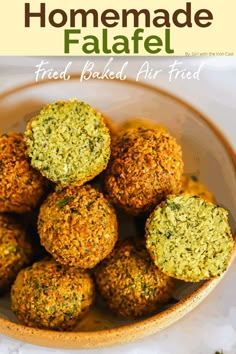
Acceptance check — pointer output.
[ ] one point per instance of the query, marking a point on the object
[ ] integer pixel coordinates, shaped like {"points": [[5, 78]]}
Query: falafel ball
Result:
{"points": [[78, 226], [68, 142], [21, 187], [144, 123], [16, 250], [145, 166], [51, 296], [191, 185], [130, 283], [189, 238]]}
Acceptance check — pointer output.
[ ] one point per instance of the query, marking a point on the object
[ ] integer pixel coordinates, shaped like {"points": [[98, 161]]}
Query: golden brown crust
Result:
{"points": [[145, 166], [130, 282], [191, 185], [15, 250], [21, 187], [48, 295], [78, 226]]}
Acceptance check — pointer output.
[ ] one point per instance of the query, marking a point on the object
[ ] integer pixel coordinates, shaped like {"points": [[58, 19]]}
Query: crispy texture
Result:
{"points": [[130, 283], [21, 187], [68, 142], [15, 250], [48, 295], [191, 185], [77, 226], [189, 239], [145, 166]]}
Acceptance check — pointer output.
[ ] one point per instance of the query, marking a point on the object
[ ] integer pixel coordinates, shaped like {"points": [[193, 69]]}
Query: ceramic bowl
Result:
{"points": [[206, 154]]}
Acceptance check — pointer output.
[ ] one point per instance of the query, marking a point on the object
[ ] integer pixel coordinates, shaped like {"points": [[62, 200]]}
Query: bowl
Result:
{"points": [[204, 150]]}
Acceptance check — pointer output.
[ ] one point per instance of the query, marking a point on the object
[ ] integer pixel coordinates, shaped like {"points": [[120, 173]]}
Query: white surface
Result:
{"points": [[212, 326]]}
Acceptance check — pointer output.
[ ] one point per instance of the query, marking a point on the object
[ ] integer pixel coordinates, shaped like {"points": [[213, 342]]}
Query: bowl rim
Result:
{"points": [[142, 328]]}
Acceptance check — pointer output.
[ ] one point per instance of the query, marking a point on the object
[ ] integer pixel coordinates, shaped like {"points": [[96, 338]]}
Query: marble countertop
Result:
{"points": [[211, 326]]}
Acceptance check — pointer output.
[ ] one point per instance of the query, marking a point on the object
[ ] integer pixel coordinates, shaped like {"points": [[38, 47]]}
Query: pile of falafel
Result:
{"points": [[48, 172]]}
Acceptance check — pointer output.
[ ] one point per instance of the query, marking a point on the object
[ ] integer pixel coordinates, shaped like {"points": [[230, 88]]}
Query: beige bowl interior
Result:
{"points": [[206, 154]]}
